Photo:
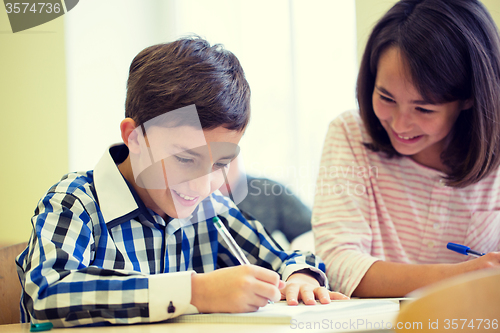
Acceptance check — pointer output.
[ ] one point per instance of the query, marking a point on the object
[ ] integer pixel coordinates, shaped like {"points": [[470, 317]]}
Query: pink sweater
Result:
{"points": [[368, 208]]}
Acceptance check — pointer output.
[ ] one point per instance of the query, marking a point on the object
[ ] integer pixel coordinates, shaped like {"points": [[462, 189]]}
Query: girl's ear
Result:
{"points": [[467, 104], [129, 135]]}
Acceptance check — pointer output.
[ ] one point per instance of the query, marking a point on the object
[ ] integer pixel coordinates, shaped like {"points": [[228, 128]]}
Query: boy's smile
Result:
{"points": [[185, 200], [186, 169]]}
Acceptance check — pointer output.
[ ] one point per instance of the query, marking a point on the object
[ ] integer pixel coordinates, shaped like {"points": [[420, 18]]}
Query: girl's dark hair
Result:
{"points": [[452, 51], [166, 77]]}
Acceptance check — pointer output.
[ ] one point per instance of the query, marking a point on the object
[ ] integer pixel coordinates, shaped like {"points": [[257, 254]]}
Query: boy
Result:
{"points": [[133, 240]]}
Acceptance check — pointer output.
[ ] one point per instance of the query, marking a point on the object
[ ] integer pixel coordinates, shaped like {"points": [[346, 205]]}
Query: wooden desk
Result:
{"points": [[196, 328], [158, 328], [177, 328]]}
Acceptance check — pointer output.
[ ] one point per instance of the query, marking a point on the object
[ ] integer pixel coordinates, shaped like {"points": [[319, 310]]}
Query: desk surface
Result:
{"points": [[206, 328], [179, 328]]}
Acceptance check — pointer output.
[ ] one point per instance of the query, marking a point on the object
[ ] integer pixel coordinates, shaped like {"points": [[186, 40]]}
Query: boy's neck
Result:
{"points": [[126, 170]]}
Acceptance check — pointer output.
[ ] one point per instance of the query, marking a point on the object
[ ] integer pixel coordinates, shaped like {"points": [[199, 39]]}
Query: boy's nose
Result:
{"points": [[201, 185]]}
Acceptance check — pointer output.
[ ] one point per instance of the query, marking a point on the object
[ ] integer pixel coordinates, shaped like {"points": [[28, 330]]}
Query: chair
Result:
{"points": [[10, 288], [466, 303]]}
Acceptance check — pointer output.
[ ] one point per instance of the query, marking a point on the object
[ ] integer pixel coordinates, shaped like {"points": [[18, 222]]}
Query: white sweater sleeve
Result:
{"points": [[343, 206]]}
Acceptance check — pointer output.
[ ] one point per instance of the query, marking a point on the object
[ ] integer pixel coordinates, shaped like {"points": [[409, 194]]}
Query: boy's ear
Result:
{"points": [[129, 135]]}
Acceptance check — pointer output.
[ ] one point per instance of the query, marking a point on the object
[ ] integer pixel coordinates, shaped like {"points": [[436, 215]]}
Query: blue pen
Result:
{"points": [[462, 249]]}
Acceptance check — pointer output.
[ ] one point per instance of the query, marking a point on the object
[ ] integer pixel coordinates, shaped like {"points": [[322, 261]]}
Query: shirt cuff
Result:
{"points": [[290, 269], [170, 295]]}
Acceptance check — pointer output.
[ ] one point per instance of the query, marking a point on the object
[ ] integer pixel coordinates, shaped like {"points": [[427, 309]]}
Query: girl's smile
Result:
{"points": [[417, 128], [407, 139]]}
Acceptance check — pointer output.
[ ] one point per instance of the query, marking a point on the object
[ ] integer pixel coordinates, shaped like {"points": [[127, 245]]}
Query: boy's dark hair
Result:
{"points": [[452, 50], [166, 77]]}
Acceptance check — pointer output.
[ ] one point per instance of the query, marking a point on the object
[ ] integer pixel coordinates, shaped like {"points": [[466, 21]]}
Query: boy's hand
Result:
{"points": [[242, 288], [300, 286]]}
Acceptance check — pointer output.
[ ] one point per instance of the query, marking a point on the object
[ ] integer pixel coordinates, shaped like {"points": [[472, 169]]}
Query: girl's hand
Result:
{"points": [[301, 286], [489, 260]]}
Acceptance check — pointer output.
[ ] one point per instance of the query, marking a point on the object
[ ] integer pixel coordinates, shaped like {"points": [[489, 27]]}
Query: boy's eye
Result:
{"points": [[183, 160], [387, 99], [218, 166]]}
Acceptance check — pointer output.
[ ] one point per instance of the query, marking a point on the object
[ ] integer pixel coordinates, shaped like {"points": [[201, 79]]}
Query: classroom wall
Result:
{"points": [[33, 112], [368, 12], [33, 117]]}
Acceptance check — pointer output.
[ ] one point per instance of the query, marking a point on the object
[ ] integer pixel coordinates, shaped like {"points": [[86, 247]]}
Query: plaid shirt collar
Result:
{"points": [[118, 200]]}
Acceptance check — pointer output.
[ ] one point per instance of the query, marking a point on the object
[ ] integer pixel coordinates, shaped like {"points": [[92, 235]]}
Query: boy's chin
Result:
{"points": [[182, 213], [183, 216]]}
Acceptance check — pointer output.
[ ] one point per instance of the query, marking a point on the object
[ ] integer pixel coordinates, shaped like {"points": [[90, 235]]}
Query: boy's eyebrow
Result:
{"points": [[418, 101], [186, 150], [228, 157], [191, 152]]}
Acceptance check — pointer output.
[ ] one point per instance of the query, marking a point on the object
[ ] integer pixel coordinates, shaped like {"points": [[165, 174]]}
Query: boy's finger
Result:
{"points": [[337, 296], [281, 285], [266, 275], [267, 291], [323, 295], [307, 296], [260, 301], [292, 294]]}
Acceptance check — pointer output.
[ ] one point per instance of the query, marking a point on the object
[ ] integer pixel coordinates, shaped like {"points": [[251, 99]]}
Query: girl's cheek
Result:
{"points": [[378, 108]]}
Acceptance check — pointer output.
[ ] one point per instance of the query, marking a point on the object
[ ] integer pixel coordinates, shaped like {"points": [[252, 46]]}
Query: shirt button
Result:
{"points": [[171, 307], [442, 182], [430, 245], [315, 219], [436, 225]]}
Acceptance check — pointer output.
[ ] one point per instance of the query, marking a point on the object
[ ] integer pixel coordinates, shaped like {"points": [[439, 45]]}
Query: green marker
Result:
{"points": [[47, 326]]}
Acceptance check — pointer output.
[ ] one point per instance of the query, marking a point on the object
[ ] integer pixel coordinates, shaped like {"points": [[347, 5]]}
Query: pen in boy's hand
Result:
{"points": [[233, 246], [462, 249]]}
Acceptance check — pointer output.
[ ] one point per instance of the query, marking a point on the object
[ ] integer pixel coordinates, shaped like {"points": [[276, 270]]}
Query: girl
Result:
{"points": [[418, 166]]}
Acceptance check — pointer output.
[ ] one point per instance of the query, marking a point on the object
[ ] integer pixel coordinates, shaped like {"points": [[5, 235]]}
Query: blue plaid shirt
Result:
{"points": [[98, 254]]}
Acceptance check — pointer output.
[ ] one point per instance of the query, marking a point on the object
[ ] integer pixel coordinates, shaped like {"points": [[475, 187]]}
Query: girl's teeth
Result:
{"points": [[406, 137]]}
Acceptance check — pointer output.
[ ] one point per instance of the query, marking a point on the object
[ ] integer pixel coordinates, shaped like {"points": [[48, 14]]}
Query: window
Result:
{"points": [[299, 58]]}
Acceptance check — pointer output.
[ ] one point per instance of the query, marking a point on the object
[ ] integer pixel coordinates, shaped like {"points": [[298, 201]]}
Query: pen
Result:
{"points": [[462, 249], [233, 246]]}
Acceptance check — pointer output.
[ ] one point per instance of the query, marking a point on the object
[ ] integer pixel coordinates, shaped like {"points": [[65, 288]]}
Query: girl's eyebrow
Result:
{"points": [[384, 91], [418, 101]]}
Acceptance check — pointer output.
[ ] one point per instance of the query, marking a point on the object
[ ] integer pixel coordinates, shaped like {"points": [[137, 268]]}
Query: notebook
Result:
{"points": [[281, 313]]}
